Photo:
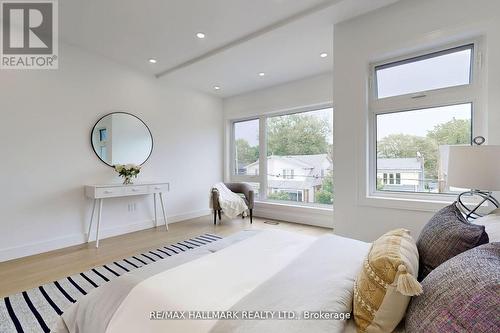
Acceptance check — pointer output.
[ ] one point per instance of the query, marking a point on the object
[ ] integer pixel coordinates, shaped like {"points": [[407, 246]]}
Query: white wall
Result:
{"points": [[46, 157], [311, 91], [406, 26]]}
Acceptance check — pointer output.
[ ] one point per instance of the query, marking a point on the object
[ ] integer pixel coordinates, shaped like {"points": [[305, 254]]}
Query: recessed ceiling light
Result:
{"points": [[153, 61], [216, 88], [323, 55], [262, 74], [200, 35]]}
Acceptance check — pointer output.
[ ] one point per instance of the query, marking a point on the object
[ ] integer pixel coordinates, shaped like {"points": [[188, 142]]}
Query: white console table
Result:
{"points": [[100, 192]]}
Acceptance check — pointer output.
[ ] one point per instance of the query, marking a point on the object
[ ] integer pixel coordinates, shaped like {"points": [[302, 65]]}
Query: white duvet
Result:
{"points": [[272, 271], [220, 280], [214, 282]]}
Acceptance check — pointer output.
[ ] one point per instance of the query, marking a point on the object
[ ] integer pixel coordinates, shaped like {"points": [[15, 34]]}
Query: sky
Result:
{"points": [[247, 130], [443, 71]]}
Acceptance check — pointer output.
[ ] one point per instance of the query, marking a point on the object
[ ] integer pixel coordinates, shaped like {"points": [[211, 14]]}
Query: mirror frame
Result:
{"points": [[127, 113]]}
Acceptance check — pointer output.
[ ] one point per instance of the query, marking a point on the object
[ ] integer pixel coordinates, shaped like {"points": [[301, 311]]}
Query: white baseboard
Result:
{"points": [[76, 239], [319, 217], [188, 216], [40, 247]]}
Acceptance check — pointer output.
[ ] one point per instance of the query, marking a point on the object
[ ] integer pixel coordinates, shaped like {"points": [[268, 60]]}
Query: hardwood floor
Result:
{"points": [[25, 273]]}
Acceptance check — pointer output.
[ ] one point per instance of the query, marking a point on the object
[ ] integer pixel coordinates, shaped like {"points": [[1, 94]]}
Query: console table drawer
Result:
{"points": [[136, 190], [159, 188], [108, 192], [118, 190]]}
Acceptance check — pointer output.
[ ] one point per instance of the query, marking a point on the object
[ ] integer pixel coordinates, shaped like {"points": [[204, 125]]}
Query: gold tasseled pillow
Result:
{"points": [[386, 282]]}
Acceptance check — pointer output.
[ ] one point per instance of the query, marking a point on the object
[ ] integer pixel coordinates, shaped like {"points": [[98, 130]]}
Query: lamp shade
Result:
{"points": [[474, 167]]}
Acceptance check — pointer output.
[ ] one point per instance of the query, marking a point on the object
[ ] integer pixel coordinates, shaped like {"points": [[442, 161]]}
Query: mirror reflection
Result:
{"points": [[122, 138]]}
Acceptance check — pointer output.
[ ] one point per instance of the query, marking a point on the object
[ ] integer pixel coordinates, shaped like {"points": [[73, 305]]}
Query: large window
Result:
{"points": [[298, 146], [420, 106]]}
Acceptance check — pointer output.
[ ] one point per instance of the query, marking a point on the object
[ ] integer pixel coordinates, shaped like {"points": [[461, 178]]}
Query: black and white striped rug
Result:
{"points": [[37, 309]]}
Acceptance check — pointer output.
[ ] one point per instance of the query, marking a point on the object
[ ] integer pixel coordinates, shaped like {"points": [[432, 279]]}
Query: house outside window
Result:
{"points": [[288, 173], [400, 174]]}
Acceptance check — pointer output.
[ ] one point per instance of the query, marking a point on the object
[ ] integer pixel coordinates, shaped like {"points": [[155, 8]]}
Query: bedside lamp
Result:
{"points": [[476, 167]]}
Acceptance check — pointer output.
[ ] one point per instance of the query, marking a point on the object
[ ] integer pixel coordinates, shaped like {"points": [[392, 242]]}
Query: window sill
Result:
{"points": [[408, 203], [317, 216], [292, 205]]}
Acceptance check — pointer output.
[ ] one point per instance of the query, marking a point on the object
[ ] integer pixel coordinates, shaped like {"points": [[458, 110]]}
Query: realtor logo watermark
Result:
{"points": [[29, 34]]}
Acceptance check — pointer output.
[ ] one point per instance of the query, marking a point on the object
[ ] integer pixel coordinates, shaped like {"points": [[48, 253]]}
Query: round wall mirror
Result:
{"points": [[122, 138]]}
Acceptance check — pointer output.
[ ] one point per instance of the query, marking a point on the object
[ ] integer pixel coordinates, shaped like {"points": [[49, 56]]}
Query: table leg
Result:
{"points": [[99, 214], [156, 219], [91, 221], [163, 210]]}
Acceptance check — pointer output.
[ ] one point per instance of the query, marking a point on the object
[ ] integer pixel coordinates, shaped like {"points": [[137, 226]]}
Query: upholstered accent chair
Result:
{"points": [[239, 188]]}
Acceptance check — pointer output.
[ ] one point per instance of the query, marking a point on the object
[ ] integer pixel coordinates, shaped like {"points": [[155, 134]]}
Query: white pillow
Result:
{"points": [[491, 223]]}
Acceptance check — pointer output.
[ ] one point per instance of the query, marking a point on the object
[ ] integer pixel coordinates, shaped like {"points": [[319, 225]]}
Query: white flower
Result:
{"points": [[119, 168]]}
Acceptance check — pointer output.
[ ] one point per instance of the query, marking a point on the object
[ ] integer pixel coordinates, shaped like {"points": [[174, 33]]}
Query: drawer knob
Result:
{"points": [[157, 188], [108, 192], [135, 190]]}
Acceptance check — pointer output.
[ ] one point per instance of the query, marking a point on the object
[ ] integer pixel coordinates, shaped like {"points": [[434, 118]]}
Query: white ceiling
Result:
{"points": [[282, 38]]}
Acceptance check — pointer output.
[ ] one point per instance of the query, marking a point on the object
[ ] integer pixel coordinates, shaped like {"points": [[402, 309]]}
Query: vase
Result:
{"points": [[127, 180]]}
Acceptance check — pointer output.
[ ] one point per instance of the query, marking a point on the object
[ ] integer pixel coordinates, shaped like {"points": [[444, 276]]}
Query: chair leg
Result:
{"points": [[215, 217], [220, 218], [251, 216]]}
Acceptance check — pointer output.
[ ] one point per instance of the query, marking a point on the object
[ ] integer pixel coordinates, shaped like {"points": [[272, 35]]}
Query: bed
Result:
{"points": [[229, 286]]}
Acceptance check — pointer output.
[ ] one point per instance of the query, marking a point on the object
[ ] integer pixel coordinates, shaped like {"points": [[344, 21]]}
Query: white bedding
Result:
{"points": [[214, 282], [254, 271]]}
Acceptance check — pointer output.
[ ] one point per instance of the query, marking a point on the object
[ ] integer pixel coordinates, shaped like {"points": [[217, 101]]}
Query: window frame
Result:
{"points": [[261, 178], [462, 94], [103, 134]]}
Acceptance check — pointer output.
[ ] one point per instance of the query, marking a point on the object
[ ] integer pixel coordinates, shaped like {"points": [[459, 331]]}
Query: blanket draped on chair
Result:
{"points": [[231, 203]]}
